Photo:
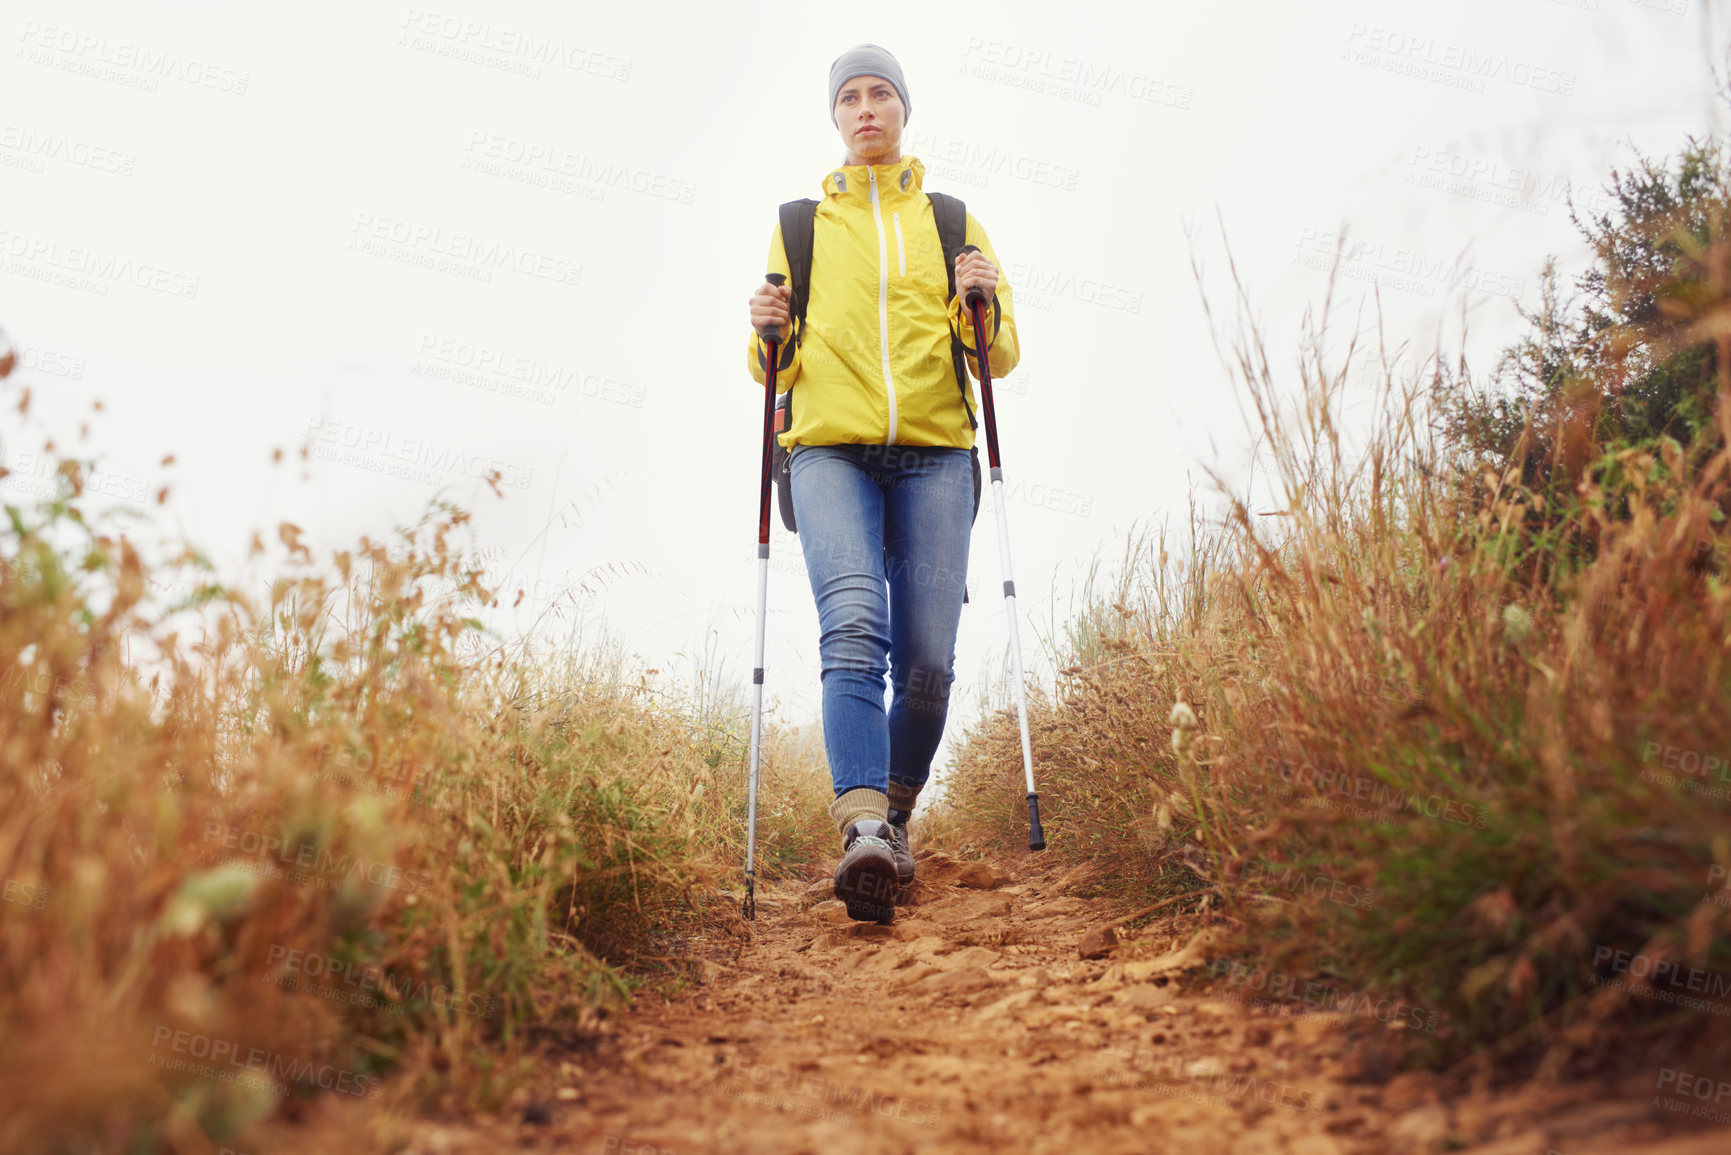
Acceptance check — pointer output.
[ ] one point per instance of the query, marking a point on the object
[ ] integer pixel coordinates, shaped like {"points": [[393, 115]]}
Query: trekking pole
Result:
{"points": [[976, 301], [772, 354]]}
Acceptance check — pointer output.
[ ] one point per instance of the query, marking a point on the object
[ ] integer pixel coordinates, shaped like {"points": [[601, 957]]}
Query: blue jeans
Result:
{"points": [[885, 532]]}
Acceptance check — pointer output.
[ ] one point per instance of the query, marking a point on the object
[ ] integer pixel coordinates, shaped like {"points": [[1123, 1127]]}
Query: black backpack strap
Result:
{"points": [[951, 216], [798, 223]]}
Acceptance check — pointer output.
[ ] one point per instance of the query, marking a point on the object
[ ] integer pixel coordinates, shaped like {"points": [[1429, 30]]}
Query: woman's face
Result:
{"points": [[870, 114]]}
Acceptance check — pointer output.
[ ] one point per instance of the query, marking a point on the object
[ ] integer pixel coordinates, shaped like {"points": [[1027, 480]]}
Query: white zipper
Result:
{"points": [[883, 303], [901, 252]]}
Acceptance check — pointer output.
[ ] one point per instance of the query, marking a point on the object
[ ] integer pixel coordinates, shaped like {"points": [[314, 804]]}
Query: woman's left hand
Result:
{"points": [[974, 270]]}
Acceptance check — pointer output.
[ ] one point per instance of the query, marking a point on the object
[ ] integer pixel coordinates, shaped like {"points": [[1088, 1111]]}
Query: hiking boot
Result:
{"points": [[865, 879], [903, 853]]}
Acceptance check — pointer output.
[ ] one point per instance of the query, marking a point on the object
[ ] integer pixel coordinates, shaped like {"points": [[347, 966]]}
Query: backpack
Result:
{"points": [[798, 223]]}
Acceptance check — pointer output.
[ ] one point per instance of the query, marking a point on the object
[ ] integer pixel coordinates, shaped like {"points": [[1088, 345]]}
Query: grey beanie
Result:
{"points": [[866, 60]]}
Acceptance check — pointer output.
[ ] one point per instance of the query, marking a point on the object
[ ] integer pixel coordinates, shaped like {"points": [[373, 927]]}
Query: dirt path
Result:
{"points": [[972, 1025]]}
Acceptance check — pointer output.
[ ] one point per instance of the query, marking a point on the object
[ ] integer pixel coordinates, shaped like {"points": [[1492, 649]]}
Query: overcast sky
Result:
{"points": [[431, 240]]}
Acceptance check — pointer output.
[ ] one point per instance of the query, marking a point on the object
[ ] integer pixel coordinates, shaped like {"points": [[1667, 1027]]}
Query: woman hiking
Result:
{"points": [[880, 467]]}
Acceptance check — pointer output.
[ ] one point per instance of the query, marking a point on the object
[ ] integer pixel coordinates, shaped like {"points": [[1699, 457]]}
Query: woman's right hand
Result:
{"points": [[772, 305]]}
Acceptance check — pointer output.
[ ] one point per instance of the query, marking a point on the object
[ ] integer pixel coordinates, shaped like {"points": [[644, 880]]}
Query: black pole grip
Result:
{"points": [[774, 331], [977, 313], [1036, 834], [974, 293]]}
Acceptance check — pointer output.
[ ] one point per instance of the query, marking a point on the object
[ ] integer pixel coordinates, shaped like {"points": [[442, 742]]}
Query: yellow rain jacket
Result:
{"points": [[873, 361]]}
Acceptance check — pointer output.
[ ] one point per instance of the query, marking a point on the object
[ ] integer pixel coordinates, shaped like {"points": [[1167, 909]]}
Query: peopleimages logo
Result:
{"points": [[1662, 979], [37, 148], [1699, 770], [34, 679], [384, 445], [554, 161], [472, 39], [87, 53], [43, 258], [1688, 761], [32, 895], [1286, 878], [366, 981], [1397, 266], [1717, 877], [1035, 283], [465, 254], [1702, 1089], [1283, 989], [1070, 76], [321, 863], [523, 374], [225, 1059], [40, 472], [1489, 179], [994, 160], [1379, 794], [37, 359], [1658, 970], [1457, 65]]}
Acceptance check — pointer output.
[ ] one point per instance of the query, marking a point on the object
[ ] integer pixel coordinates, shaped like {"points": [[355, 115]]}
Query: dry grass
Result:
{"points": [[1102, 749], [303, 843], [1454, 722]]}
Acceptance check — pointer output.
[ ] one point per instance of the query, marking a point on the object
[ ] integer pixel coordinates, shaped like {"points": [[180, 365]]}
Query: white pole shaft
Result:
{"points": [[1010, 622], [756, 708]]}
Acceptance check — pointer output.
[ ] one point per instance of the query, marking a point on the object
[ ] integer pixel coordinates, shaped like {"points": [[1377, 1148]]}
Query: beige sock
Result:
{"points": [[903, 797], [859, 805]]}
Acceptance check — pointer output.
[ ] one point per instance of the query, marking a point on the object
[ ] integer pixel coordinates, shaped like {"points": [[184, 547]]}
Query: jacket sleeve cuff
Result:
{"points": [[788, 348]]}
